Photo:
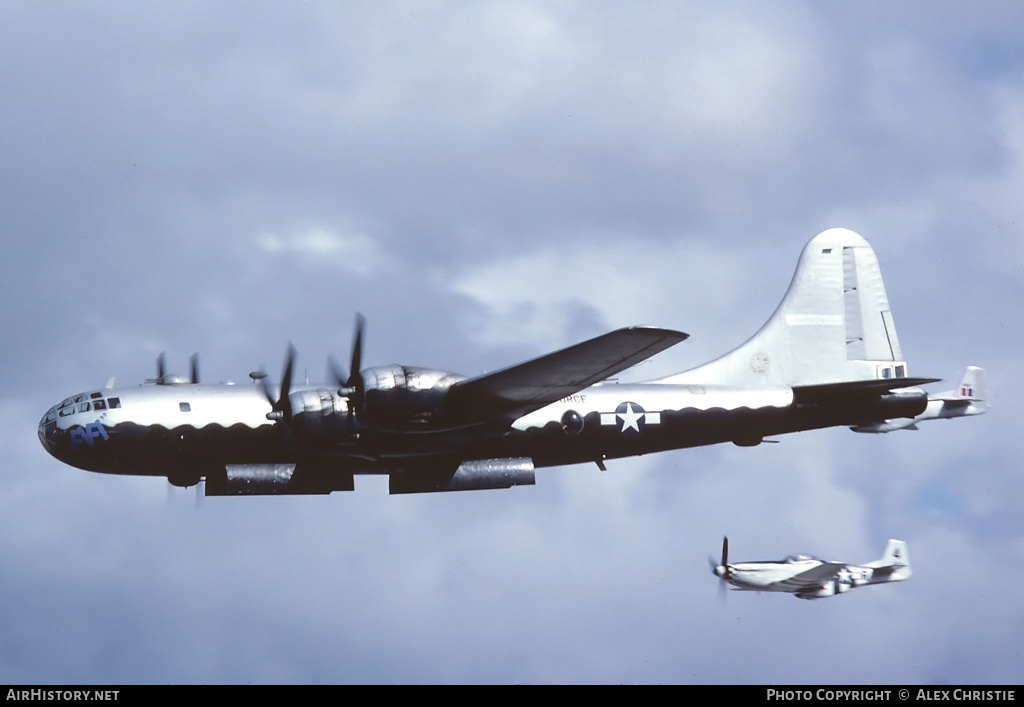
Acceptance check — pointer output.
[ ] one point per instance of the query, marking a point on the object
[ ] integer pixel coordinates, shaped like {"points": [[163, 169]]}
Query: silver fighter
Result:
{"points": [[808, 577]]}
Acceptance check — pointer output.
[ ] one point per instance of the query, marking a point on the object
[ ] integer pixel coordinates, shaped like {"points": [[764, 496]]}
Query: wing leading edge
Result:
{"points": [[531, 385]]}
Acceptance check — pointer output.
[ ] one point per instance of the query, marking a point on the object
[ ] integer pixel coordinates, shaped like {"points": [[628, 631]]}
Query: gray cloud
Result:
{"points": [[487, 182]]}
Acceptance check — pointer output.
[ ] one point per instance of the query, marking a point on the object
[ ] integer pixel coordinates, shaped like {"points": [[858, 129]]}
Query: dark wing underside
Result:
{"points": [[812, 578], [534, 384]]}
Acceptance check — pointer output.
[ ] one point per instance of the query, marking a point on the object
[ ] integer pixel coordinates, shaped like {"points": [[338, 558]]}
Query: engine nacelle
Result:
{"points": [[319, 414], [907, 403], [890, 406], [402, 397], [276, 480], [473, 475]]}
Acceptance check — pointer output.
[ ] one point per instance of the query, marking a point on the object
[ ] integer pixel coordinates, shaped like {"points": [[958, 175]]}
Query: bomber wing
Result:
{"points": [[812, 578], [531, 385]]}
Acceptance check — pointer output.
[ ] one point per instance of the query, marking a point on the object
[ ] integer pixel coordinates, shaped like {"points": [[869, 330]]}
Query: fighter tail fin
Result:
{"points": [[971, 393], [833, 325], [894, 564]]}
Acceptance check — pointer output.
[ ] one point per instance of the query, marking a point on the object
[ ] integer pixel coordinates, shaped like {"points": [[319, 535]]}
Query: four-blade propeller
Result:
{"points": [[723, 571], [351, 385], [163, 378], [281, 409]]}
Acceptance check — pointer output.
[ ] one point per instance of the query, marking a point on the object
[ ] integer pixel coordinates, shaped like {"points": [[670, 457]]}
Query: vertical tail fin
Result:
{"points": [[972, 388], [833, 325], [894, 565], [969, 398]]}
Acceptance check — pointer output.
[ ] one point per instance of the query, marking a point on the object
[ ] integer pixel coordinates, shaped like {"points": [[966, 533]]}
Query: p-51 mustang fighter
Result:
{"points": [[828, 356], [811, 578]]}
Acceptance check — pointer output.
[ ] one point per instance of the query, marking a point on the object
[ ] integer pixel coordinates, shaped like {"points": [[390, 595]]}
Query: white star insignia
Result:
{"points": [[630, 419]]}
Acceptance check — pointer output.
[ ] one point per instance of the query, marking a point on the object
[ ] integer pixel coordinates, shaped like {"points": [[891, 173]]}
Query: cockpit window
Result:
{"points": [[99, 404], [800, 558], [83, 407], [65, 411], [113, 403], [95, 395], [184, 407]]}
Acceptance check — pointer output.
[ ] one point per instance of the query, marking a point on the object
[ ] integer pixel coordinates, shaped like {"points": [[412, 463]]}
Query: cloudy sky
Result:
{"points": [[486, 182]]}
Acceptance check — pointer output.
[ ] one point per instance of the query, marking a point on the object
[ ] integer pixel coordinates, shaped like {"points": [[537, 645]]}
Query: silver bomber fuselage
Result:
{"points": [[175, 429], [828, 356]]}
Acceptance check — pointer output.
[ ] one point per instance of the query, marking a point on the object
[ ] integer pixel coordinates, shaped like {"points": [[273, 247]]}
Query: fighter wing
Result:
{"points": [[534, 384], [812, 578]]}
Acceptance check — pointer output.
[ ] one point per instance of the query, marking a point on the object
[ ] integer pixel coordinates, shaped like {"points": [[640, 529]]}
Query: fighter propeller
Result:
{"points": [[722, 571]]}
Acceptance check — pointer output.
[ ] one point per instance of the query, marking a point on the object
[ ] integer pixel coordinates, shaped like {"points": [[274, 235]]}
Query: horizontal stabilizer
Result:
{"points": [[951, 403], [831, 391]]}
